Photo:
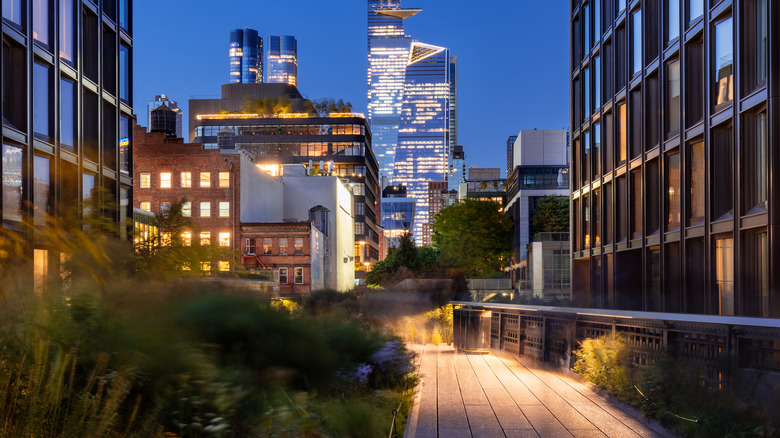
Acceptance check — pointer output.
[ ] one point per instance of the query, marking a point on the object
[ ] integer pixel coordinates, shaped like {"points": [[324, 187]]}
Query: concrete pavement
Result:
{"points": [[489, 396]]}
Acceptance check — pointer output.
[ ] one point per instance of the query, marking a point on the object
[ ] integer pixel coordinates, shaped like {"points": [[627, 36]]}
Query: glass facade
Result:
{"points": [[423, 144], [684, 174], [245, 57], [283, 60]]}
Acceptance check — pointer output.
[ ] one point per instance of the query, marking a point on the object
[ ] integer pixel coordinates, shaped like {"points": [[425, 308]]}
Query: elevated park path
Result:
{"points": [[485, 395]]}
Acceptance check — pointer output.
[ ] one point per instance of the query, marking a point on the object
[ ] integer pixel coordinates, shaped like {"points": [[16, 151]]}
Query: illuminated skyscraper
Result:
{"points": [[388, 55], [423, 135], [246, 57], [283, 60]]}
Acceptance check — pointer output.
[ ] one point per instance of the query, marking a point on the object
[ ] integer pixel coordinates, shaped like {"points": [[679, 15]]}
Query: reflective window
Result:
{"points": [[622, 134], [165, 180], [124, 73], [205, 238], [722, 159], [41, 99], [12, 182], [754, 44], [186, 209], [673, 191], [267, 246], [672, 19], [124, 144], [186, 238], [124, 14], [87, 192], [205, 179], [283, 276], [695, 9], [696, 183], [755, 273], [596, 82], [186, 179], [586, 21], [596, 150], [67, 31], [724, 274], [41, 186], [754, 163], [40, 20], [12, 10], [621, 4], [205, 209], [723, 60], [596, 19], [145, 180], [145, 205], [67, 115], [283, 246], [636, 42], [673, 97], [165, 206], [636, 204], [298, 246], [224, 239], [586, 86], [224, 179]]}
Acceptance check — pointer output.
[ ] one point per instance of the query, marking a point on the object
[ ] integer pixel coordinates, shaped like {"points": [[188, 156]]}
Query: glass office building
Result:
{"points": [[423, 135], [283, 60], [674, 147], [388, 55], [245, 57], [66, 113]]}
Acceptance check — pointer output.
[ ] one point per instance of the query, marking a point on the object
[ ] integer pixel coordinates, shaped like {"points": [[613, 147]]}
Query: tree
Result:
{"points": [[474, 238], [415, 260], [552, 215]]}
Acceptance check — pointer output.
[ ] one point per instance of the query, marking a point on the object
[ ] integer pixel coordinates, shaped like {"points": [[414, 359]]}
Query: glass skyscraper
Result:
{"points": [[246, 57], [283, 60], [423, 135], [388, 55]]}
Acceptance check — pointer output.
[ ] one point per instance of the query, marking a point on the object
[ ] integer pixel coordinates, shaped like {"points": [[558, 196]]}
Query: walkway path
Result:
{"points": [[488, 396]]}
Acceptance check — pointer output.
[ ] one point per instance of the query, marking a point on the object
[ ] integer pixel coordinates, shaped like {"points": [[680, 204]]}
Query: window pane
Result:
{"points": [[186, 209], [298, 246], [673, 19], [722, 159], [205, 209], [40, 20], [267, 246], [621, 4], [636, 42], [586, 86], [12, 183], [124, 14], [41, 99], [696, 183], [205, 179], [753, 40], [146, 180], [724, 61], [596, 150], [586, 21], [596, 19], [224, 239], [41, 186], [224, 179], [283, 246], [165, 180], [696, 9], [636, 204], [124, 73], [724, 275], [186, 179], [12, 10], [754, 163], [298, 275], [67, 118], [673, 191], [596, 82], [124, 144], [224, 209], [67, 33], [622, 133], [673, 98], [205, 238], [283, 276], [586, 220]]}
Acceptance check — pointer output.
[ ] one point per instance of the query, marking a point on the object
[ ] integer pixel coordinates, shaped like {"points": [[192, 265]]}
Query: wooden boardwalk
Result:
{"points": [[488, 396]]}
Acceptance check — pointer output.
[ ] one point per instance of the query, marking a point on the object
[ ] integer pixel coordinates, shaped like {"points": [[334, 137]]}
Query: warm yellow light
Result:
{"points": [[347, 115], [293, 115]]}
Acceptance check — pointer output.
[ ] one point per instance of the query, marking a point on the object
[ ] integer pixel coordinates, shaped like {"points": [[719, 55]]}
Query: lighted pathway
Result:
{"points": [[487, 396]]}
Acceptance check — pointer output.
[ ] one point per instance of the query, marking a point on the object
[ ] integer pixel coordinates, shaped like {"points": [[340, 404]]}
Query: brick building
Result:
{"points": [[292, 250], [167, 170], [439, 196]]}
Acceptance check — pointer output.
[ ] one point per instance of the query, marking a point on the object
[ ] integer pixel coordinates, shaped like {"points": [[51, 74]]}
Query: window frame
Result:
{"points": [[144, 180], [205, 180], [207, 210], [298, 273], [186, 180], [284, 276]]}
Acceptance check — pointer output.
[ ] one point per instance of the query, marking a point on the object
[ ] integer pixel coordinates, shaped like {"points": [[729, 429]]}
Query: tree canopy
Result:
{"points": [[474, 238], [406, 255], [552, 215]]}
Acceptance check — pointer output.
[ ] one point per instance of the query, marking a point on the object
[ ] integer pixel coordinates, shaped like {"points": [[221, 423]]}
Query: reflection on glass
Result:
{"points": [[622, 133], [597, 19], [695, 9], [696, 185], [124, 73], [761, 30], [40, 20], [755, 163], [124, 14], [41, 95], [12, 182], [596, 82], [673, 191], [636, 43], [12, 10], [621, 5], [41, 186], [124, 144], [724, 61], [586, 83], [67, 34], [596, 150], [673, 19], [724, 274], [586, 21], [586, 157], [673, 98], [67, 120]]}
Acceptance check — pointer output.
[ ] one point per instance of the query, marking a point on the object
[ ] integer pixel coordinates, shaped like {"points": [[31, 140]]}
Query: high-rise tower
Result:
{"points": [[388, 54], [283, 60], [246, 57]]}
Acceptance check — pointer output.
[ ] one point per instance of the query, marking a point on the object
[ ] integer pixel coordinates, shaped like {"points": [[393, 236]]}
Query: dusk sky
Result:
{"points": [[513, 57]]}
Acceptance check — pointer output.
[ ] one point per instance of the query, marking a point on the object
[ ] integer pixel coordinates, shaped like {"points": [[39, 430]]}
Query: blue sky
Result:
{"points": [[512, 56]]}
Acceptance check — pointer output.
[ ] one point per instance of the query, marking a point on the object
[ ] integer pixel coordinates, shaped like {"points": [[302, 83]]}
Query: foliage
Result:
{"points": [[326, 106], [552, 215], [669, 391], [474, 238], [267, 105], [406, 259]]}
